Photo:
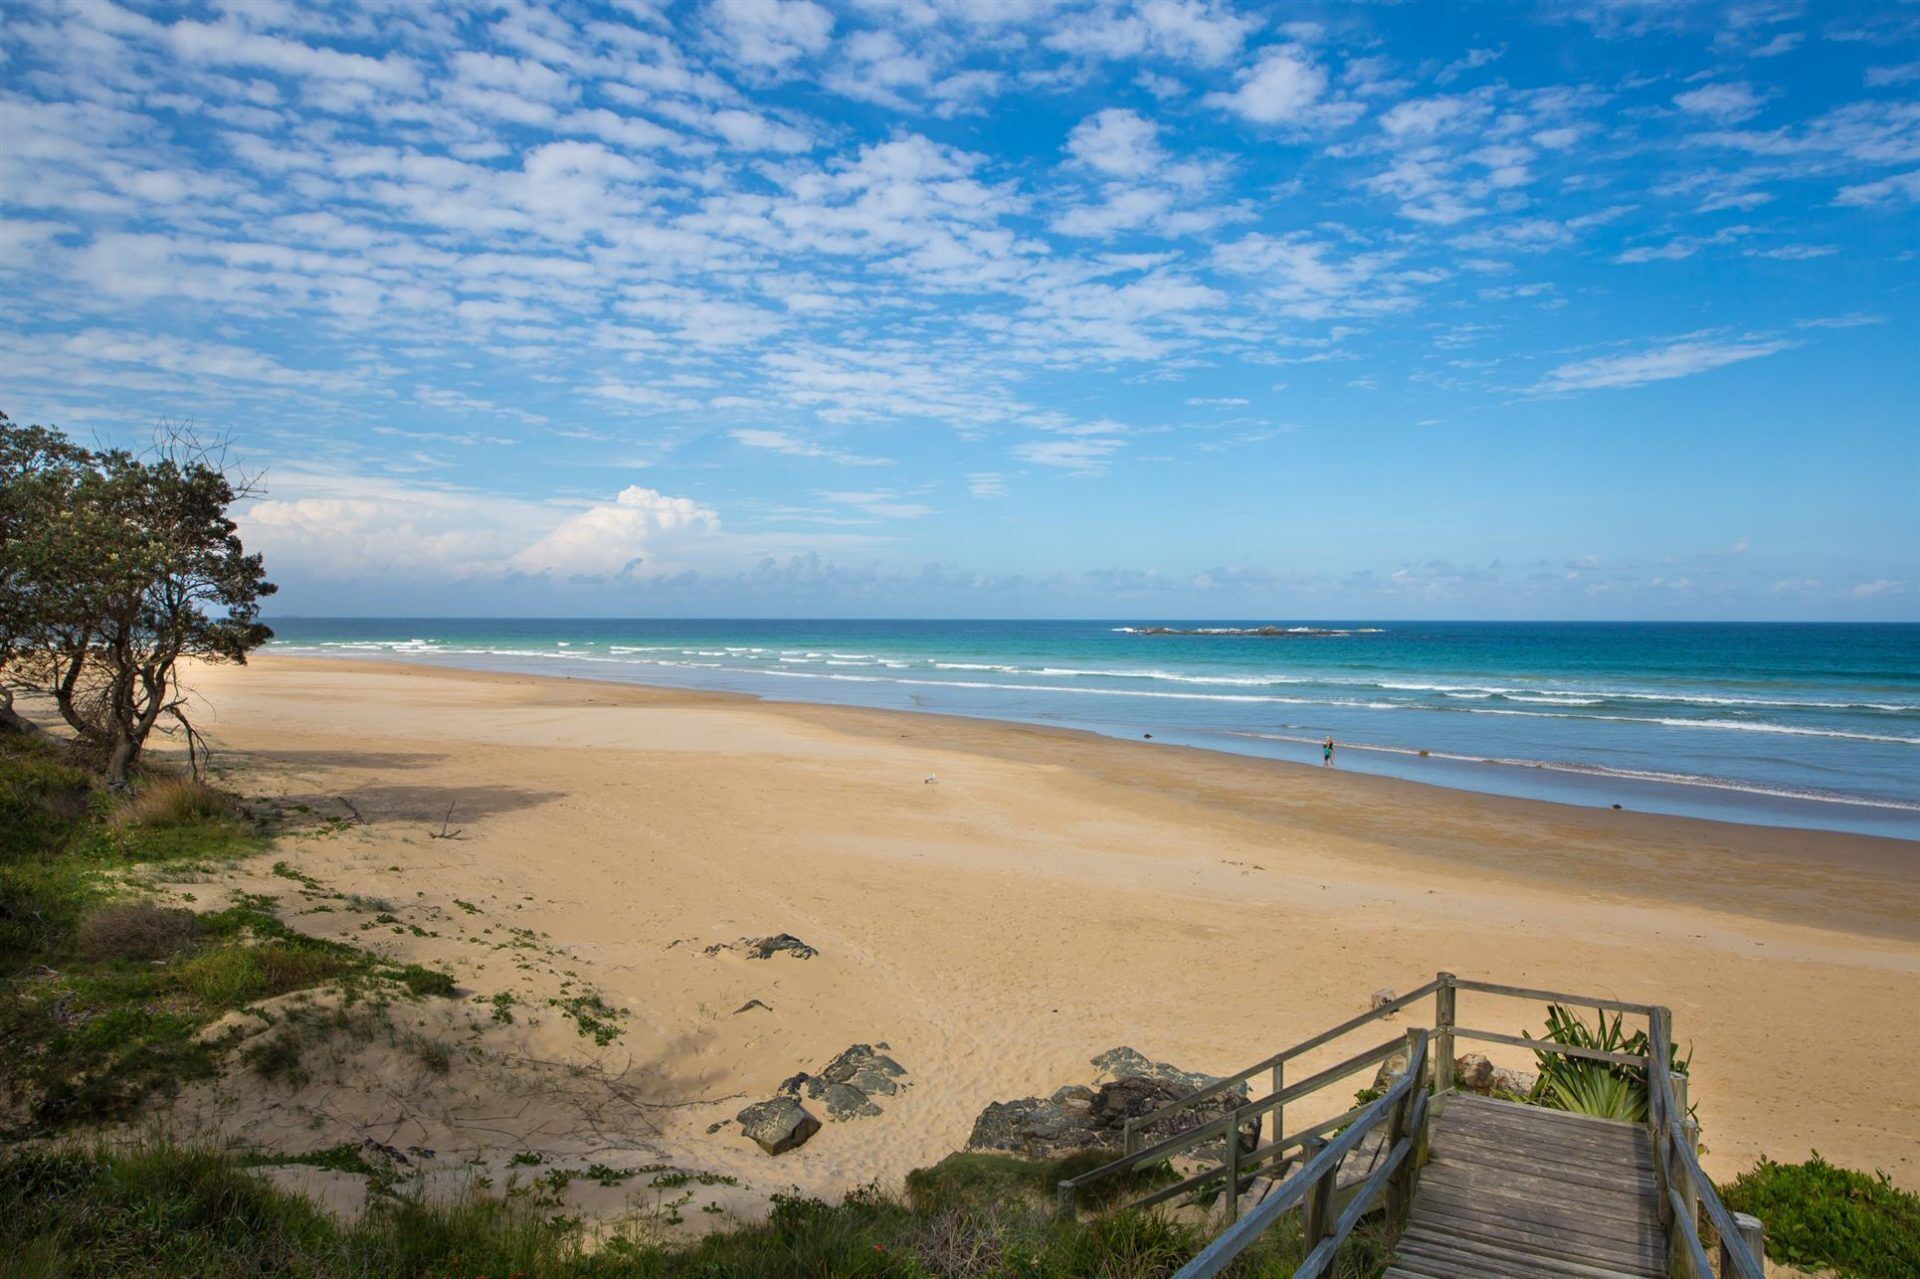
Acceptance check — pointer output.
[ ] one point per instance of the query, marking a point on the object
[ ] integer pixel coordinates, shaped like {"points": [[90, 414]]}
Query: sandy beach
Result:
{"points": [[998, 904]]}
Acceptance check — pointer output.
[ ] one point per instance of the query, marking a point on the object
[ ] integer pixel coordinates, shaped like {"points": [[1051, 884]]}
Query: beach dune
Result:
{"points": [[997, 904]]}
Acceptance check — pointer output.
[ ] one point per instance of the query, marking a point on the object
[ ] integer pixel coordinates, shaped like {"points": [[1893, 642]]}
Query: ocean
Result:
{"points": [[1815, 726]]}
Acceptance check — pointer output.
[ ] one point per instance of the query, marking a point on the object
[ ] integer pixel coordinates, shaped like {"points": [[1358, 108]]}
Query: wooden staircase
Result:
{"points": [[1482, 1189], [1517, 1192]]}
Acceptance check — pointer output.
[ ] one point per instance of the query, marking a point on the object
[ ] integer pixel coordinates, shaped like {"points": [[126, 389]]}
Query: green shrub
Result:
{"points": [[1815, 1214], [232, 975], [426, 981]]}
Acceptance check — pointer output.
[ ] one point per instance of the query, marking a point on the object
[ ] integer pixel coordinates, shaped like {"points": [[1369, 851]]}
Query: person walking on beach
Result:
{"points": [[1326, 753]]}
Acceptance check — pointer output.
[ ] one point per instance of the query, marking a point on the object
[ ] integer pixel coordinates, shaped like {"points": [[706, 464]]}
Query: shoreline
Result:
{"points": [[997, 902], [1561, 781], [1775, 848]]}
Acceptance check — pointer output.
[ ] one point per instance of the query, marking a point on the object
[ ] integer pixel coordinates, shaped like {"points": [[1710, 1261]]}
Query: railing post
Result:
{"points": [[1659, 1035], [1233, 1172], [1682, 1172], [1443, 1032], [1319, 1207], [1064, 1200], [1402, 1179], [1279, 1111], [1752, 1237], [1129, 1139]]}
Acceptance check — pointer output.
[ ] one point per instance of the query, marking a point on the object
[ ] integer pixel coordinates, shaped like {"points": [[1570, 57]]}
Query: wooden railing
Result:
{"points": [[1683, 1188], [1278, 1152], [1315, 1187]]}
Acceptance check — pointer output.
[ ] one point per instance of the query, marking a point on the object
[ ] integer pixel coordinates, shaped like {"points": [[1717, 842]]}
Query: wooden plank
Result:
{"points": [[1468, 1261], [1442, 1206], [1494, 1259], [1627, 1148], [1590, 1185], [1476, 1108], [1476, 1148], [1622, 1251], [1438, 1202], [1609, 1218], [1493, 1105], [1559, 1257], [1627, 1154]]}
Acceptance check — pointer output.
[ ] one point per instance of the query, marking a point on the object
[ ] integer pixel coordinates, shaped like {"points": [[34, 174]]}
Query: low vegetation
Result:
{"points": [[160, 1212], [1817, 1215], [106, 994]]}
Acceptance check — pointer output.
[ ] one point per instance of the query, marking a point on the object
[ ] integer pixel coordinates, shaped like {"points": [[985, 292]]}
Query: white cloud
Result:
{"points": [[229, 44], [1320, 279], [1901, 188], [1726, 103], [1084, 448], [1117, 142], [987, 485], [1419, 117], [1682, 357], [792, 446], [772, 33], [1281, 88], [881, 504], [1196, 31], [617, 539], [1879, 586], [1904, 73]]}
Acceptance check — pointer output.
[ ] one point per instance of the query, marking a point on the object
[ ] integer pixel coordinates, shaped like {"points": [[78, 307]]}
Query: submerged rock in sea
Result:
{"points": [[778, 1124], [1080, 1117]]}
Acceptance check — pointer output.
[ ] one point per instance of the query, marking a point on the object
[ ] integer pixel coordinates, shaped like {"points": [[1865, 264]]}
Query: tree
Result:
{"points": [[119, 569], [38, 469]]}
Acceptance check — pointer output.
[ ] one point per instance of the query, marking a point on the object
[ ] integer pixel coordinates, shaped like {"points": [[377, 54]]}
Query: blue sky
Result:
{"points": [[1603, 308]]}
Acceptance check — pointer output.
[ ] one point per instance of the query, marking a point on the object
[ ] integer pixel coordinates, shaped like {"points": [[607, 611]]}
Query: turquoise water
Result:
{"points": [[1803, 725]]}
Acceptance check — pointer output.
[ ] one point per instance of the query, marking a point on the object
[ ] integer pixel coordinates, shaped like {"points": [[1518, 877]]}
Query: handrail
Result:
{"points": [[1219, 1086], [1551, 996], [1318, 1177], [1233, 1119], [1691, 1186]]}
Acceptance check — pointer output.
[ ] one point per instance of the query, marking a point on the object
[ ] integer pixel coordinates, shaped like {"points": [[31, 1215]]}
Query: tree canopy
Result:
{"points": [[115, 568]]}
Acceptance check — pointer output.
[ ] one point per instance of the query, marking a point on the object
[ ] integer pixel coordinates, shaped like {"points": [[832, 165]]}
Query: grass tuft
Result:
{"points": [[135, 931], [172, 801]]}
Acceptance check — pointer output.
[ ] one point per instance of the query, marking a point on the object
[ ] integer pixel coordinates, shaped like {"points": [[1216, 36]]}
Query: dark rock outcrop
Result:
{"points": [[778, 1124], [1093, 1117], [848, 1084], [766, 947]]}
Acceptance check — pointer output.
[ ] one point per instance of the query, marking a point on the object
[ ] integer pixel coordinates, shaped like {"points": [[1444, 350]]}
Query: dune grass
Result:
{"points": [[164, 1212], [103, 994]]}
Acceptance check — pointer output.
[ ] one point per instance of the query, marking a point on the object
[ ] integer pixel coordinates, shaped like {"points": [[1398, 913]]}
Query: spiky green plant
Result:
{"points": [[1581, 1085]]}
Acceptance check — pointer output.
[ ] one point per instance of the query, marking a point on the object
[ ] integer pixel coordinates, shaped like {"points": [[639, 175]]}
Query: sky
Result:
{"points": [[1096, 308]]}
